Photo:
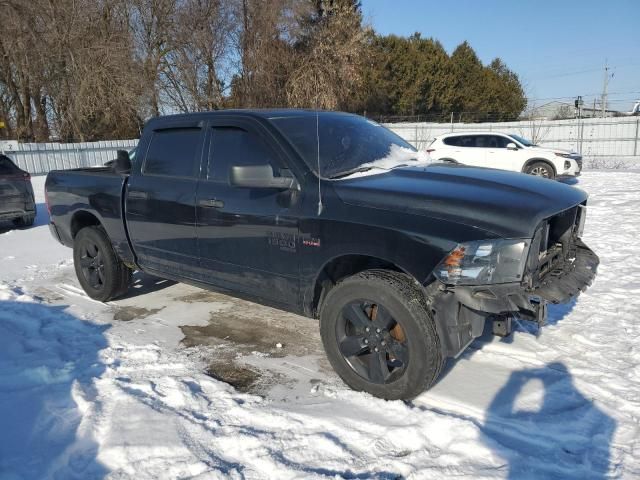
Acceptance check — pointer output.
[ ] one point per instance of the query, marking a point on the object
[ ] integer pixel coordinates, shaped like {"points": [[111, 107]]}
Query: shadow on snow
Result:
{"points": [[562, 435], [48, 359]]}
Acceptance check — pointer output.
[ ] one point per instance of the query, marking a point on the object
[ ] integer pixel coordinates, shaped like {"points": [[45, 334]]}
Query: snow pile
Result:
{"points": [[397, 156], [46, 357], [83, 395]]}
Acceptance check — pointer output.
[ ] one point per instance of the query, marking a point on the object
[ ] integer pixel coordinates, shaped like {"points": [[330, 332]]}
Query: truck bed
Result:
{"points": [[83, 192]]}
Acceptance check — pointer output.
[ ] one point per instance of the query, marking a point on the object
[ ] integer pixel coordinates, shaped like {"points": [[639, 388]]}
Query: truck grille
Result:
{"points": [[553, 247]]}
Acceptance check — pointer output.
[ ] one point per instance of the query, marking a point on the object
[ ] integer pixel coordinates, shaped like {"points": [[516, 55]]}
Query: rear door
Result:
{"points": [[15, 194], [469, 150], [247, 236], [160, 199]]}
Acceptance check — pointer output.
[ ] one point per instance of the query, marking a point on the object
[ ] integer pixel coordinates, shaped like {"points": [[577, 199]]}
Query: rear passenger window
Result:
{"points": [[174, 152], [453, 141], [482, 141], [233, 146]]}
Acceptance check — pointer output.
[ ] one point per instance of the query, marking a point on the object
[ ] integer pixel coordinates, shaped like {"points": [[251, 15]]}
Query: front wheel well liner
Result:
{"points": [[342, 267]]}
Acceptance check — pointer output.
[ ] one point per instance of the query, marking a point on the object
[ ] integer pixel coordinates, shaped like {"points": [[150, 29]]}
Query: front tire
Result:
{"points": [[541, 169], [380, 336], [101, 273]]}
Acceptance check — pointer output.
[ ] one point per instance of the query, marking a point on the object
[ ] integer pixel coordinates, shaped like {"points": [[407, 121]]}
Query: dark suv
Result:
{"points": [[17, 202]]}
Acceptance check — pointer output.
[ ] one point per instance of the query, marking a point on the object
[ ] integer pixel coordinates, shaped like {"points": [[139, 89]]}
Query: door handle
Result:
{"points": [[211, 203], [138, 194]]}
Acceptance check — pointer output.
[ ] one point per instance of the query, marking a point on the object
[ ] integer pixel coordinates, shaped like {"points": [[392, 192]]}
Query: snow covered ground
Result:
{"points": [[89, 390]]}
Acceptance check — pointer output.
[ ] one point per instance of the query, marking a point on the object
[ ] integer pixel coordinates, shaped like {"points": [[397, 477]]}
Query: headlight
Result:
{"points": [[563, 155], [483, 262]]}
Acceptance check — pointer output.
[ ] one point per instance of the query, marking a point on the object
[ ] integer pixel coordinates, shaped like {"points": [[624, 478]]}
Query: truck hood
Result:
{"points": [[506, 204]]}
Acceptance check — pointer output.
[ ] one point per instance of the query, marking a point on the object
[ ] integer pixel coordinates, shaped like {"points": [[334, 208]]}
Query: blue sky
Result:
{"points": [[558, 48]]}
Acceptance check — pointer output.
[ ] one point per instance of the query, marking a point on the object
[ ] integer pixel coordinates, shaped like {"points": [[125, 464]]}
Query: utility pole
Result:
{"points": [[603, 101]]}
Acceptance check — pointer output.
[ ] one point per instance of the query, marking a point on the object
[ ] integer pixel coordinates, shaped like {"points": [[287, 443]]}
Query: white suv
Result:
{"points": [[506, 152]]}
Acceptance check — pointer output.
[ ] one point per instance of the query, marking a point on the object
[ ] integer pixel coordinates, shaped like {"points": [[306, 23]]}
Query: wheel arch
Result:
{"points": [[340, 267], [82, 219], [528, 163]]}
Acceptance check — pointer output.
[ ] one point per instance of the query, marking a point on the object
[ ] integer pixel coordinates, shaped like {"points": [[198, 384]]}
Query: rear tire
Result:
{"points": [[541, 169], [393, 308], [101, 273]]}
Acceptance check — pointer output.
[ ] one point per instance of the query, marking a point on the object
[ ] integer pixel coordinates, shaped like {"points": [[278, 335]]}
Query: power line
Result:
{"points": [[588, 70], [571, 97]]}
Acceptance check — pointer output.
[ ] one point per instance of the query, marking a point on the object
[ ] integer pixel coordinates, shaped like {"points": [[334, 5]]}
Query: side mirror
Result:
{"points": [[260, 176], [122, 163], [512, 146]]}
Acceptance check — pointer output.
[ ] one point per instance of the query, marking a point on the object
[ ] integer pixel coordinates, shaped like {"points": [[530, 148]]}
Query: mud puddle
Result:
{"points": [[126, 314], [251, 342]]}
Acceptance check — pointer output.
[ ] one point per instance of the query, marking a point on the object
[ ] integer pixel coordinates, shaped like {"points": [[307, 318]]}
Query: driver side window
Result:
{"points": [[501, 142], [234, 146]]}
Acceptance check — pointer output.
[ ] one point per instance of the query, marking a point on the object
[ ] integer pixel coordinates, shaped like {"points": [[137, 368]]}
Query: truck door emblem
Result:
{"points": [[311, 242], [284, 241]]}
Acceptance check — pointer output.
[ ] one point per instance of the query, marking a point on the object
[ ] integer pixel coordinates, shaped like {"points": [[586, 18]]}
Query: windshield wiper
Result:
{"points": [[353, 170]]}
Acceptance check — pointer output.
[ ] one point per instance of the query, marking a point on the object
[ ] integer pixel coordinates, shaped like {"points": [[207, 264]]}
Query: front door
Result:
{"points": [[160, 201], [499, 156], [246, 236]]}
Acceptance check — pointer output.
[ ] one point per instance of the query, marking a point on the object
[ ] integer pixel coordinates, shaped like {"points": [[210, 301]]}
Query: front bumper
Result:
{"points": [[558, 286], [462, 311], [574, 169]]}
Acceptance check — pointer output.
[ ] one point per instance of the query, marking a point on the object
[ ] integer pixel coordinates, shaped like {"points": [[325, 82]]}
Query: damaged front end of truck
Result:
{"points": [[497, 281]]}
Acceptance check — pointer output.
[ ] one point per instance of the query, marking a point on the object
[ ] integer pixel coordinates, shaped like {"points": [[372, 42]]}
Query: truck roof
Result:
{"points": [[266, 113]]}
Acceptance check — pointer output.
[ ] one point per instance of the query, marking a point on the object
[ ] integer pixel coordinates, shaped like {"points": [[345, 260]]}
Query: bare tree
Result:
{"points": [[194, 68], [536, 130], [263, 39], [152, 25]]}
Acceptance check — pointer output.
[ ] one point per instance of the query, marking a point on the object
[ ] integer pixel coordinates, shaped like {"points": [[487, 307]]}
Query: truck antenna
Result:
{"points": [[320, 206]]}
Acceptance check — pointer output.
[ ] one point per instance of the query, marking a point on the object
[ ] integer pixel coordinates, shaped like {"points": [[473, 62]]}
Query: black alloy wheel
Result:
{"points": [[92, 264], [372, 342], [100, 271], [380, 336]]}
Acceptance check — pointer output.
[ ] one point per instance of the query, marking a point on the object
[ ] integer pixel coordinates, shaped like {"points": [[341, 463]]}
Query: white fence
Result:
{"points": [[38, 158], [595, 138], [603, 142]]}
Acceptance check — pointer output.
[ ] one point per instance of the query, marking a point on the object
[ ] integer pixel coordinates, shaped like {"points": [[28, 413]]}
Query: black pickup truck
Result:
{"points": [[334, 217]]}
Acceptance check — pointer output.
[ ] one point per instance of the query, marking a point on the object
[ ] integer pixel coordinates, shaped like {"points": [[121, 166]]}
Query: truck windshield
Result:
{"points": [[335, 145]]}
